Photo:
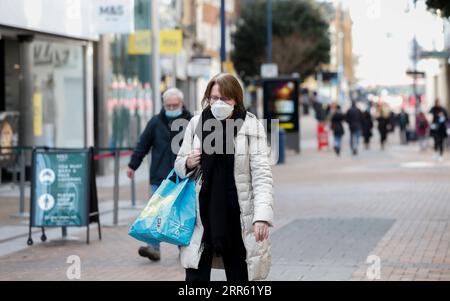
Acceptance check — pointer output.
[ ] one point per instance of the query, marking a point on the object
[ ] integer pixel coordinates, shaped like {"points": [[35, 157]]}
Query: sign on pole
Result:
{"points": [[170, 42], [113, 16]]}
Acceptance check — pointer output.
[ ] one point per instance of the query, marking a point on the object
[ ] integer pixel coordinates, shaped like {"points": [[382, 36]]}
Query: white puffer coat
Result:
{"points": [[253, 177]]}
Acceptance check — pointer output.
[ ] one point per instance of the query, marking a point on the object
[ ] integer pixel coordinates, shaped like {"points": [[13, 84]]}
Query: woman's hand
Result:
{"points": [[193, 159], [261, 230]]}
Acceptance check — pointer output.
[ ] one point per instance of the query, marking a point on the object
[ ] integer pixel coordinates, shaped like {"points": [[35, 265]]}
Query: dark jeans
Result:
{"points": [[354, 139], [403, 136], [439, 144], [234, 263]]}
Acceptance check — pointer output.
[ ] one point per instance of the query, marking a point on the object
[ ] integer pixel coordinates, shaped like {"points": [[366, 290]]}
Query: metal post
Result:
{"points": [[415, 61], [64, 232], [340, 97], [269, 31], [116, 188], [15, 176], [415, 58], [22, 163], [133, 192], [223, 52], [156, 68], [22, 183]]}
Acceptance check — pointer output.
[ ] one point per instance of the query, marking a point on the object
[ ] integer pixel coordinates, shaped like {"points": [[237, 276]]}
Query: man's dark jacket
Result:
{"points": [[157, 136], [354, 118]]}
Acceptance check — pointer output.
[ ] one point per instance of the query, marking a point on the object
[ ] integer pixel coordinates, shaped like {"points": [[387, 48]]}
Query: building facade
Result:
{"points": [[46, 71]]}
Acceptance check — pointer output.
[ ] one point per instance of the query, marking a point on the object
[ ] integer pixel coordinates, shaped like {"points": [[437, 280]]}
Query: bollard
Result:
{"points": [[116, 188], [281, 146], [22, 182]]}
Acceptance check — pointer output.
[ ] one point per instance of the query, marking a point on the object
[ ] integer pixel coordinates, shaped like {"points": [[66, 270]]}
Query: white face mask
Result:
{"points": [[221, 110]]}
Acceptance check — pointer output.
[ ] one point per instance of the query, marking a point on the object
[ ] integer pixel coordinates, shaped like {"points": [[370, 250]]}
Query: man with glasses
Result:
{"points": [[157, 137]]}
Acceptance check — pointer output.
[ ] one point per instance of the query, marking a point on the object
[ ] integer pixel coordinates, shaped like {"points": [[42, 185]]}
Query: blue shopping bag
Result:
{"points": [[169, 215]]}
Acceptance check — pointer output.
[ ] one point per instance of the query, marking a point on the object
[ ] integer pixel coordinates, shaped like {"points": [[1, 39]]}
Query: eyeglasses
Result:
{"points": [[172, 107], [216, 98]]}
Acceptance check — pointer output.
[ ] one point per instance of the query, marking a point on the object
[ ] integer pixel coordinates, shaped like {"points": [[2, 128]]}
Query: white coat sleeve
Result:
{"points": [[186, 147], [261, 175]]}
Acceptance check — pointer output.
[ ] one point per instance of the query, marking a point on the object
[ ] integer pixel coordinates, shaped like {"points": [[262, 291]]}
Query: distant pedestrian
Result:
{"points": [[319, 110], [422, 126], [438, 128], [384, 125], [367, 125], [403, 124], [337, 127], [157, 137], [354, 119]]}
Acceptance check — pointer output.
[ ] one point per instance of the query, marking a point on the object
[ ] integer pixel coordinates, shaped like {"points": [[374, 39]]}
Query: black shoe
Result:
{"points": [[150, 253]]}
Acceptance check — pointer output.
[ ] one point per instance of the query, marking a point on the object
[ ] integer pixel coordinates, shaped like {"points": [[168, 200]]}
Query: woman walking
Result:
{"points": [[338, 129], [422, 126], [438, 128], [233, 186], [367, 125], [384, 126]]}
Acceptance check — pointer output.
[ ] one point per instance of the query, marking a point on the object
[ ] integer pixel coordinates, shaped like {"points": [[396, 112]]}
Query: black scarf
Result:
{"points": [[219, 207]]}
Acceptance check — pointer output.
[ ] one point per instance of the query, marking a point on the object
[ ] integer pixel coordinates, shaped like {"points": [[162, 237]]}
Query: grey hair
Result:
{"points": [[173, 92]]}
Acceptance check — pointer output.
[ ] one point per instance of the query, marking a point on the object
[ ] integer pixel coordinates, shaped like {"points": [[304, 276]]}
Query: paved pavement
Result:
{"points": [[380, 215]]}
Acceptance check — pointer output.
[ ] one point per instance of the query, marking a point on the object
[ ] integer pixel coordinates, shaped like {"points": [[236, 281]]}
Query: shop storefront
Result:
{"points": [[46, 71]]}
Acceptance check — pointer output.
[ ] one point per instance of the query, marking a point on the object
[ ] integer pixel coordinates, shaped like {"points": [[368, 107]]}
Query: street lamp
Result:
{"points": [[222, 35], [269, 31]]}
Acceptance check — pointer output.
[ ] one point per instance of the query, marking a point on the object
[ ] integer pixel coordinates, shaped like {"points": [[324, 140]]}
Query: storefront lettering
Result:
{"points": [[112, 10], [45, 54]]}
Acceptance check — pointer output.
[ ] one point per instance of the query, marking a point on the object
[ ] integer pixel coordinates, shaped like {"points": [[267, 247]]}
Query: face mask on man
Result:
{"points": [[221, 110], [174, 114]]}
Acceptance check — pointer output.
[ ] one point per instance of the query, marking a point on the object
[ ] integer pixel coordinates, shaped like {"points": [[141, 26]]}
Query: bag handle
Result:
{"points": [[177, 178]]}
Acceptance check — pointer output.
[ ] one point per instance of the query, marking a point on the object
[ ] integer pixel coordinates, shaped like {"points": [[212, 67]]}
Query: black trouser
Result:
{"points": [[234, 263], [439, 144]]}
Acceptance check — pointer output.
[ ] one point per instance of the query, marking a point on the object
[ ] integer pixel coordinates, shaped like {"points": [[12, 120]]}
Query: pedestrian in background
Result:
{"points": [[354, 120], [367, 125], [438, 128], [403, 124], [384, 125], [319, 110], [422, 126], [157, 137], [337, 127], [234, 187]]}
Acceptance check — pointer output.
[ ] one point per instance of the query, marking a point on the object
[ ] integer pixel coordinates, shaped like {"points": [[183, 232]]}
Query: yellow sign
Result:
{"points": [[37, 113], [170, 42], [139, 42]]}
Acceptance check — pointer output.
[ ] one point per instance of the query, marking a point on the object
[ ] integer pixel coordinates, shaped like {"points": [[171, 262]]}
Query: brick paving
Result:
{"points": [[330, 215]]}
